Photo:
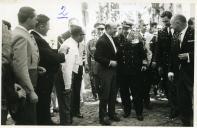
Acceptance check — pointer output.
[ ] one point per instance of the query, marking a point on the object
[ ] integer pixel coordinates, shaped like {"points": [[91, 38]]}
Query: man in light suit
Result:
{"points": [[50, 60], [25, 58], [181, 68], [105, 55]]}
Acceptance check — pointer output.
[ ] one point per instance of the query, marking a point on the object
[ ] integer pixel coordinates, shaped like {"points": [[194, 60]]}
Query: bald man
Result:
{"points": [[105, 55], [182, 66]]}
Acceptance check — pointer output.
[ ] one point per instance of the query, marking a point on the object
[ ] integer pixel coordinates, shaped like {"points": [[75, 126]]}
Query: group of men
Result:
{"points": [[118, 59], [31, 68], [131, 60]]}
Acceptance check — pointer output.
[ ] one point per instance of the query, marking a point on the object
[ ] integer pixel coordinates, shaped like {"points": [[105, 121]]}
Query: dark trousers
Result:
{"points": [[26, 115], [137, 90], [76, 88], [64, 100], [93, 81], [173, 101], [124, 84], [164, 84], [4, 111], [185, 96], [147, 77], [107, 92], [44, 89]]}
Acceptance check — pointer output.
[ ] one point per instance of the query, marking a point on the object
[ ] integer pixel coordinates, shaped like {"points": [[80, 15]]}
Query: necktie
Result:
{"points": [[177, 38]]}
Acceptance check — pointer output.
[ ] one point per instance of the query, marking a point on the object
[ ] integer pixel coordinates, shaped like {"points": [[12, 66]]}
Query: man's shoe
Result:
{"points": [[52, 123], [126, 115], [105, 121], [78, 115], [148, 106], [115, 118], [173, 114], [56, 110], [140, 117]]}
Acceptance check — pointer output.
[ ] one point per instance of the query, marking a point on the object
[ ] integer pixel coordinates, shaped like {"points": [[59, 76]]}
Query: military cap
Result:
{"points": [[99, 25], [126, 24]]}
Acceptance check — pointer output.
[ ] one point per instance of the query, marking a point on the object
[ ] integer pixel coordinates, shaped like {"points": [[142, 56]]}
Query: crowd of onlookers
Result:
{"points": [[124, 59]]}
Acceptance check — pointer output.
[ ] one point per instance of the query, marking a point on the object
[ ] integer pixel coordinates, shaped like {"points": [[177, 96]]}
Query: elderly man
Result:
{"points": [[182, 66], [50, 60], [105, 55]]}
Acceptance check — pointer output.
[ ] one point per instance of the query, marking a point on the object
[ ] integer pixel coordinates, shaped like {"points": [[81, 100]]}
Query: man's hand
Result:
{"points": [[160, 70], [113, 63], [171, 76], [153, 65], [41, 70], [143, 68], [86, 68], [183, 56], [33, 97], [20, 91]]}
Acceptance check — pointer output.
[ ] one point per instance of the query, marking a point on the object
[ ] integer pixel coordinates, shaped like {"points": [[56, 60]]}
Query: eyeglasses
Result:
{"points": [[101, 29]]}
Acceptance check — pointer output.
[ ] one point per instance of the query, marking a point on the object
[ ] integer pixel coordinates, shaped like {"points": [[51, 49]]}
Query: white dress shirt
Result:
{"points": [[182, 35], [73, 60], [181, 40]]}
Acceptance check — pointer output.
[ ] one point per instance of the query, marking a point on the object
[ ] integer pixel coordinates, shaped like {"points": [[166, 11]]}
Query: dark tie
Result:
{"points": [[177, 38]]}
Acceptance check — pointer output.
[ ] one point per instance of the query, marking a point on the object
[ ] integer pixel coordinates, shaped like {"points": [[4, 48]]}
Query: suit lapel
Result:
{"points": [[43, 41], [185, 38], [109, 43]]}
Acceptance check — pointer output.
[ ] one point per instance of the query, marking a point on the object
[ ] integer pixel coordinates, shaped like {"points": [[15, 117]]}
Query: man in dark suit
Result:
{"points": [[50, 60], [181, 68], [25, 59], [163, 47], [161, 59], [105, 55]]}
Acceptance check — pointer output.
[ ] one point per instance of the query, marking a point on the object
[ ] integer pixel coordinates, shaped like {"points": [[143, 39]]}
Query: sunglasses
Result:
{"points": [[100, 29]]}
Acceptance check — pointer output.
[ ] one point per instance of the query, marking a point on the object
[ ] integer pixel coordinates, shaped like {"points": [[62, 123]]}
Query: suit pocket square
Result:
{"points": [[190, 41]]}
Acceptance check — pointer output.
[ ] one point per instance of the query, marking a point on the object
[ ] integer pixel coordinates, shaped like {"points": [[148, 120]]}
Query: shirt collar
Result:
{"points": [[184, 31], [44, 37], [108, 35], [20, 26], [76, 43]]}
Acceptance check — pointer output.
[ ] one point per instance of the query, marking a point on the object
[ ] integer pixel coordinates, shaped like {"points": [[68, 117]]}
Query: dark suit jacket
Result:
{"points": [[187, 47], [162, 49], [104, 52], [49, 58]]}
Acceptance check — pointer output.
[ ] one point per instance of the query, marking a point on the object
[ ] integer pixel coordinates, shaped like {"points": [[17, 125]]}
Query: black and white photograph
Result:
{"points": [[98, 63]]}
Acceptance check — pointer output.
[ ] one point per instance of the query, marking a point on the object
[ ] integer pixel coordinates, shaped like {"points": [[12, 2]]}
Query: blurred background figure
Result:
{"points": [[92, 64], [67, 34], [191, 22], [7, 79]]}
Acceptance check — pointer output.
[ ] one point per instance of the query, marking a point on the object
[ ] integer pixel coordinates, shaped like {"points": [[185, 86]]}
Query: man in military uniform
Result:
{"points": [[92, 64], [121, 40], [161, 59], [130, 57]]}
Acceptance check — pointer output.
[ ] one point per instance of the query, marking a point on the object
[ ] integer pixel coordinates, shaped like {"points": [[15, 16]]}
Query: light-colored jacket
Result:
{"points": [[25, 58], [73, 60]]}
